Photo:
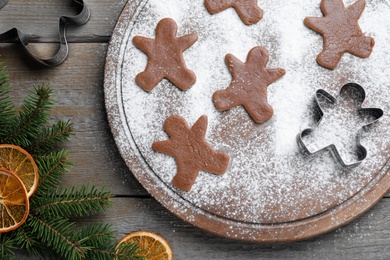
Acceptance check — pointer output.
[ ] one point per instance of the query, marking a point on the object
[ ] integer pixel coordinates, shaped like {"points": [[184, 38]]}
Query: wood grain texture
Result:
{"points": [[365, 238], [27, 16], [78, 85], [78, 89]]}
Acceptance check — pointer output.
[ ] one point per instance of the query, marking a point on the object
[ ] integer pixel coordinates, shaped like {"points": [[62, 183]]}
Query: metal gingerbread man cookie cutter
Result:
{"points": [[16, 35], [361, 152]]}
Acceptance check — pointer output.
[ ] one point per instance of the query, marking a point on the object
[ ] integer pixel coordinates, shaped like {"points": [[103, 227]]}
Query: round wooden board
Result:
{"points": [[299, 207]]}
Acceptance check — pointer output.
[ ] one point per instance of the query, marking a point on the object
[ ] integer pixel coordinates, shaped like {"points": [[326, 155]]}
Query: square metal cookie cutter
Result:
{"points": [[374, 113]]}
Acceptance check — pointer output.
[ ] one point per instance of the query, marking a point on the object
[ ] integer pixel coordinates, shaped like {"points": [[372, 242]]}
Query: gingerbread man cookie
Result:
{"points": [[165, 57], [247, 10], [191, 151], [341, 32], [249, 85]]}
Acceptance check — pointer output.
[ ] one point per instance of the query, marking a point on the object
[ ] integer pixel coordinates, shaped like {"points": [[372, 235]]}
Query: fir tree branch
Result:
{"points": [[7, 109], [95, 235], [99, 237], [49, 137], [24, 239], [3, 75], [27, 240], [7, 245], [32, 116], [128, 252], [56, 233], [73, 202], [51, 167]]}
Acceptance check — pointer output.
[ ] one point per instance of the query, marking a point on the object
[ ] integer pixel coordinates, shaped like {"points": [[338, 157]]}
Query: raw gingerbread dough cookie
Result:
{"points": [[249, 85], [191, 151], [248, 10], [341, 32], [165, 57]]}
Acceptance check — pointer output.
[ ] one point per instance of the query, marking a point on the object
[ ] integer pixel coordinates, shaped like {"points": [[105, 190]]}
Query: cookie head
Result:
{"points": [[166, 28], [174, 124], [331, 7]]}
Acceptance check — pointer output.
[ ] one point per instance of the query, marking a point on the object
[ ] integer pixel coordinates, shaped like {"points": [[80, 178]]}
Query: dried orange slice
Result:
{"points": [[151, 245], [17, 160], [14, 206]]}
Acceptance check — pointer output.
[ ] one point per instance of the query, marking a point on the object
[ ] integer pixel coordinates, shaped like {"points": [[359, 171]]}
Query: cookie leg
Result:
{"points": [[148, 80], [183, 78], [185, 178], [329, 58], [217, 162], [361, 46], [225, 99], [259, 111]]}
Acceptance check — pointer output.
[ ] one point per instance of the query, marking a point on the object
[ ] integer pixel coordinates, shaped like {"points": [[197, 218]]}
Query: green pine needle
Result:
{"points": [[95, 235], [24, 129], [128, 252], [7, 109], [51, 136], [7, 247], [57, 234], [26, 239], [73, 202], [50, 230], [52, 166]]}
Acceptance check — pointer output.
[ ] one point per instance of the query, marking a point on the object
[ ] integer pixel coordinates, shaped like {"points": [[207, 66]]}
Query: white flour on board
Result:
{"points": [[268, 178]]}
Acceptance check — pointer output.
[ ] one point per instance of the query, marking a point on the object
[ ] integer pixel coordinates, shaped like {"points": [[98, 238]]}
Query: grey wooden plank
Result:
{"points": [[78, 89], [368, 237], [39, 19]]}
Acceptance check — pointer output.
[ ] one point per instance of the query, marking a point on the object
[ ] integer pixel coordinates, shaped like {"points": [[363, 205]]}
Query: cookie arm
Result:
{"points": [[275, 74], [143, 43], [315, 23], [187, 40], [166, 146], [233, 63]]}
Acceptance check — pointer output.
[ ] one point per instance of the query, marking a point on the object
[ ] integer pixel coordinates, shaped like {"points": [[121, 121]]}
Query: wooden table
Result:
{"points": [[78, 86]]}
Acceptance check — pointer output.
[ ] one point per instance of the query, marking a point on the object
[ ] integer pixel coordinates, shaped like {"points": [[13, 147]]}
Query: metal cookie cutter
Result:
{"points": [[15, 35], [359, 96]]}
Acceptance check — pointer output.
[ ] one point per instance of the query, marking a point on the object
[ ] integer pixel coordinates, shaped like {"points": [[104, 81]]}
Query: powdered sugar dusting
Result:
{"points": [[268, 180]]}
